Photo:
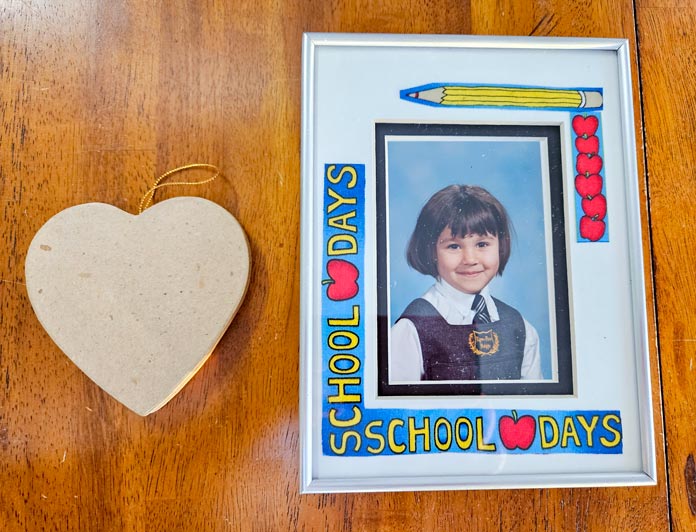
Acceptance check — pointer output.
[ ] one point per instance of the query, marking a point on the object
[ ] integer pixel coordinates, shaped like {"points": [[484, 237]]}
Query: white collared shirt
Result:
{"points": [[405, 356]]}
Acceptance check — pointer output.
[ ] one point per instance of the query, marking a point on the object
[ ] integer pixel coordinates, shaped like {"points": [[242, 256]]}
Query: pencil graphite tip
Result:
{"points": [[429, 95]]}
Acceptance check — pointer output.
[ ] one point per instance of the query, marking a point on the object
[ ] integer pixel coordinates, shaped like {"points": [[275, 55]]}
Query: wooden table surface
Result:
{"points": [[98, 98]]}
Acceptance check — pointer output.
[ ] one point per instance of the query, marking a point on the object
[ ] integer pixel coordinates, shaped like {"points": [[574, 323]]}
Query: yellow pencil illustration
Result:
{"points": [[498, 96]]}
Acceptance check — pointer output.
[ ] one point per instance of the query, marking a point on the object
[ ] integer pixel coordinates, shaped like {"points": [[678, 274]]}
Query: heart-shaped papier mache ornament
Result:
{"points": [[138, 302]]}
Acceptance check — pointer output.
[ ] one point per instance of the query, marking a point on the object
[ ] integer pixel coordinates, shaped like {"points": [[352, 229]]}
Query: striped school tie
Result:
{"points": [[479, 306]]}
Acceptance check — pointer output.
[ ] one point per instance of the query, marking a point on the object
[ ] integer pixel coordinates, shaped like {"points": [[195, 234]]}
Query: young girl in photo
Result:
{"points": [[457, 330]]}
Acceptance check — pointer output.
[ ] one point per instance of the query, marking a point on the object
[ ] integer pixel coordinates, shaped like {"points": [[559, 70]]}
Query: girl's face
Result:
{"points": [[467, 263]]}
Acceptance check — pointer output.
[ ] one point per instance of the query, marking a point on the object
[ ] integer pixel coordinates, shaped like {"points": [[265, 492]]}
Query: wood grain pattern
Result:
{"points": [[98, 98], [668, 79]]}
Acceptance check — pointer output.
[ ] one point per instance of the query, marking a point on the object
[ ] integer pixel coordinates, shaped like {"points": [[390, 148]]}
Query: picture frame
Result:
{"points": [[473, 308]]}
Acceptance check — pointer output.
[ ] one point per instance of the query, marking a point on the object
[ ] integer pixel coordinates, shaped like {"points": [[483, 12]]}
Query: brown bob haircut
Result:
{"points": [[467, 210]]}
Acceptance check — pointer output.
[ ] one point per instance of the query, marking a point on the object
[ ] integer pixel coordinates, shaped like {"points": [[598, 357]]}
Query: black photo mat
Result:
{"points": [[564, 363]]}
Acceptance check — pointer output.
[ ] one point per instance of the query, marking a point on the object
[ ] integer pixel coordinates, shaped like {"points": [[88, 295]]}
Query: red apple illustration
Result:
{"points": [[591, 228], [595, 207], [517, 432], [588, 186], [587, 144], [343, 280], [588, 164], [585, 125]]}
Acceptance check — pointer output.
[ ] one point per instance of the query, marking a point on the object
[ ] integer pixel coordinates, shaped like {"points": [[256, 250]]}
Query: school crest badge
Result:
{"points": [[484, 342]]}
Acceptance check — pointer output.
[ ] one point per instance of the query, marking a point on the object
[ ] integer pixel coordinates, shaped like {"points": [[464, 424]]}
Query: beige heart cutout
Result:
{"points": [[138, 302]]}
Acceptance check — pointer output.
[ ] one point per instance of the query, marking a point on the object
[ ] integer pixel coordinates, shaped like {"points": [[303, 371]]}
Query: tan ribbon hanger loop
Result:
{"points": [[146, 201]]}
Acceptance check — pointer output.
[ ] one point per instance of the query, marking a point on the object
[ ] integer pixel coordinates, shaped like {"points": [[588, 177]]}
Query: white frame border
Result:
{"points": [[308, 482]]}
